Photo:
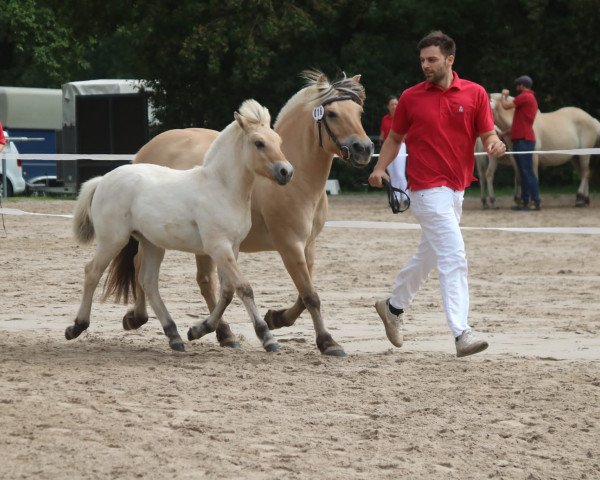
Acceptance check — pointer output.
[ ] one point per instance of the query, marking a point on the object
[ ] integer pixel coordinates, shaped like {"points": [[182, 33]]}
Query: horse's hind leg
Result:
{"points": [[93, 272], [149, 270], [206, 278], [211, 323], [582, 166], [138, 315]]}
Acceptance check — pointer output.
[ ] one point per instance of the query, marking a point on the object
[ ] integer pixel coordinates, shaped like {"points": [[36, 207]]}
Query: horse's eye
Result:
{"points": [[331, 114], [259, 144]]}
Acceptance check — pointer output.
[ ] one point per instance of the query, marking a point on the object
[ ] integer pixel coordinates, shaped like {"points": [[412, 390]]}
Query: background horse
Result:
{"points": [[564, 129], [205, 211], [318, 122]]}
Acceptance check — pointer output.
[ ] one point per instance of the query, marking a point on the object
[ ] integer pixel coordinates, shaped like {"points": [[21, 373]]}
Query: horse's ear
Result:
{"points": [[356, 78], [242, 122]]}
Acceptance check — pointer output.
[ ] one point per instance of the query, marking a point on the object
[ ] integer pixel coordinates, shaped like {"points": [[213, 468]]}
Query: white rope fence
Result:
{"points": [[371, 225]]}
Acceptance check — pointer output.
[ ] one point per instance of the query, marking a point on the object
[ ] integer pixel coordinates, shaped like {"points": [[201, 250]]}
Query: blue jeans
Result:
{"points": [[529, 182]]}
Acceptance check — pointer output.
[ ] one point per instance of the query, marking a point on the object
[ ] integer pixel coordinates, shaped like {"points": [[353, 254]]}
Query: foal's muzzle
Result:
{"points": [[282, 172]]}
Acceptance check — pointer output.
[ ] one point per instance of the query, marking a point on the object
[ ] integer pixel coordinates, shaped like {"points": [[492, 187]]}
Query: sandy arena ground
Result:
{"points": [[116, 404]]}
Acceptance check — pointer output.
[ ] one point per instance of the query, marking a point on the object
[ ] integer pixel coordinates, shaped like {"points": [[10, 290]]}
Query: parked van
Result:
{"points": [[15, 183]]}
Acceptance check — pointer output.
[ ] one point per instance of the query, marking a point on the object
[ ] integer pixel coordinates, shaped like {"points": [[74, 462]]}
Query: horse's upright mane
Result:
{"points": [[251, 110], [318, 89], [255, 112]]}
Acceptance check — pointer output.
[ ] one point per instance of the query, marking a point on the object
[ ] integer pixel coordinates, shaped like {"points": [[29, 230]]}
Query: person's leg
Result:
{"points": [[438, 211], [413, 274], [530, 178]]}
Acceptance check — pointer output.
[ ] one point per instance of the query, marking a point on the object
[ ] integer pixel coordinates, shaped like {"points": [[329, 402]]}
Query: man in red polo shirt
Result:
{"points": [[441, 118], [523, 139]]}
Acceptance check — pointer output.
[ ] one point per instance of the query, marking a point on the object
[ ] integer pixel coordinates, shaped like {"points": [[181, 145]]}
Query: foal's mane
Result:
{"points": [[318, 89], [252, 111]]}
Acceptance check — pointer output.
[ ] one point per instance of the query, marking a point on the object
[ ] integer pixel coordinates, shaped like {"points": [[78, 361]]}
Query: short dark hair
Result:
{"points": [[438, 38], [391, 97]]}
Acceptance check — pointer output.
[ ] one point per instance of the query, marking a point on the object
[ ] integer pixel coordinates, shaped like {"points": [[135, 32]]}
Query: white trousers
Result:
{"points": [[438, 210], [397, 169]]}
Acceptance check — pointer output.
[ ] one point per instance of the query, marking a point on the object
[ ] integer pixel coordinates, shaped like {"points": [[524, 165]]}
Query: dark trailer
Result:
{"points": [[100, 117]]}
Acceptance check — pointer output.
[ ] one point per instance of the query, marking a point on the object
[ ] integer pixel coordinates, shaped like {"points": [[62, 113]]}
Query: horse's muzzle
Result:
{"points": [[358, 153], [282, 172]]}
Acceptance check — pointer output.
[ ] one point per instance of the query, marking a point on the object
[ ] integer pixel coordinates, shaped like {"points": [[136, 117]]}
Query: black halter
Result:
{"points": [[345, 151]]}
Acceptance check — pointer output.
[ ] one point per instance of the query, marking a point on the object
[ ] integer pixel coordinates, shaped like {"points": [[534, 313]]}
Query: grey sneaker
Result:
{"points": [[467, 344], [391, 322]]}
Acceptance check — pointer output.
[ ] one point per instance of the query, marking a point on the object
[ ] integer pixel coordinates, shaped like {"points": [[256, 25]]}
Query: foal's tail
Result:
{"points": [[83, 227], [120, 279]]}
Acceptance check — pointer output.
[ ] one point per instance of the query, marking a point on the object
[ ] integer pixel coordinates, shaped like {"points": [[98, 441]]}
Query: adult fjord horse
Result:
{"points": [[205, 210], [564, 129], [284, 219]]}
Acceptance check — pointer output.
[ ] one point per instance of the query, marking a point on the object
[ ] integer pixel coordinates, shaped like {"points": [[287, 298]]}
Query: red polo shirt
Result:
{"points": [[2, 137], [526, 108], [442, 127], [386, 125]]}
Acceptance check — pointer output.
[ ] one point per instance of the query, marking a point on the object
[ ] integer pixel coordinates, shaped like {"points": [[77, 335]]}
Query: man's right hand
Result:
{"points": [[376, 178]]}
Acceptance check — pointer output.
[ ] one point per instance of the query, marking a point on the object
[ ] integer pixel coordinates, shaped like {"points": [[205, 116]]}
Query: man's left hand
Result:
{"points": [[496, 149]]}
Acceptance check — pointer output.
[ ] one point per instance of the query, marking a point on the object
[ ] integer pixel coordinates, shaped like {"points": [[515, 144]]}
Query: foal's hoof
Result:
{"points": [[177, 346], [231, 343], [70, 334], [334, 351], [73, 331], [272, 347], [131, 322]]}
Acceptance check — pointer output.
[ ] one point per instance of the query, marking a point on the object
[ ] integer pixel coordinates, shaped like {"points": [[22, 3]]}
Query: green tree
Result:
{"points": [[36, 49]]}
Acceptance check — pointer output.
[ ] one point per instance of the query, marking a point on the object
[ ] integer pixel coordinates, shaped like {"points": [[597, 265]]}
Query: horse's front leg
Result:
{"points": [[489, 176], [299, 264], [206, 278], [230, 275], [138, 315], [148, 276]]}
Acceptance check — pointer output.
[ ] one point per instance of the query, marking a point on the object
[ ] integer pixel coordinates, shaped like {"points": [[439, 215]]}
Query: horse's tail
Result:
{"points": [[120, 279], [83, 227]]}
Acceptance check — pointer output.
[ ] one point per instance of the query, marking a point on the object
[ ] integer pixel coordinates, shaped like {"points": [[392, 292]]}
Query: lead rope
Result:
{"points": [[398, 205]]}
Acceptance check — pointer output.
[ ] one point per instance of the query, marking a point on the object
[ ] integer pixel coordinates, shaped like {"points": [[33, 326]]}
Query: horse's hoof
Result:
{"points": [[70, 334], [178, 346], [275, 319], [131, 322], [230, 344], [272, 347], [334, 351], [191, 335], [73, 331]]}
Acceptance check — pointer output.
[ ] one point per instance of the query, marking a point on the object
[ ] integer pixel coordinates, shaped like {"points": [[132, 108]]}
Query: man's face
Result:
{"points": [[519, 88], [392, 104], [434, 64]]}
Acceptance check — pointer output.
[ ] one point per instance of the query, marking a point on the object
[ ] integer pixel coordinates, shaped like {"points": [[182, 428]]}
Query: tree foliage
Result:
{"points": [[204, 58]]}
